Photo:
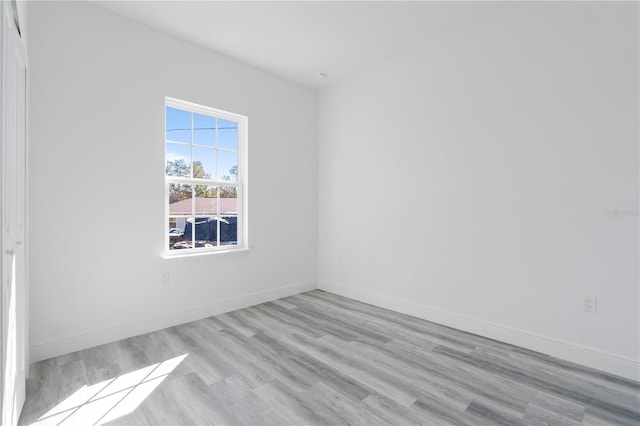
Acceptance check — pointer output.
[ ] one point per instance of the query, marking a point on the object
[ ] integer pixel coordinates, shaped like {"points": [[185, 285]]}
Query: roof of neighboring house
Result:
{"points": [[205, 206]]}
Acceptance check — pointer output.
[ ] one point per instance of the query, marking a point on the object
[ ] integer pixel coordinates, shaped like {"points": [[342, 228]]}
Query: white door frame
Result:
{"points": [[13, 243]]}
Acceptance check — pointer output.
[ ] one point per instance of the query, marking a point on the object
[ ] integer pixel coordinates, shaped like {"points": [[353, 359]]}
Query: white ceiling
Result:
{"points": [[299, 39]]}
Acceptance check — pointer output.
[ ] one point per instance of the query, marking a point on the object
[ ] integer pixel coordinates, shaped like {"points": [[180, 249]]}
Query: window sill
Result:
{"points": [[219, 253]]}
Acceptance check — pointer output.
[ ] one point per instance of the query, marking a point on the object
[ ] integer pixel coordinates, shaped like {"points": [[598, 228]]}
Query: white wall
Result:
{"points": [[97, 227], [468, 181]]}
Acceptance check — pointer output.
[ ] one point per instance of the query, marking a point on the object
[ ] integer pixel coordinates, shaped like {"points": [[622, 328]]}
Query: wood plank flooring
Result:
{"points": [[321, 359]]}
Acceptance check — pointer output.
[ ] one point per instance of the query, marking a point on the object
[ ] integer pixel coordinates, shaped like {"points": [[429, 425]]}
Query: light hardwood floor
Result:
{"points": [[317, 358]]}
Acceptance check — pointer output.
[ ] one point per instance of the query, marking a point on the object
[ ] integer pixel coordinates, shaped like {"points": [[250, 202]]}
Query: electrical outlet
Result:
{"points": [[164, 279], [591, 304]]}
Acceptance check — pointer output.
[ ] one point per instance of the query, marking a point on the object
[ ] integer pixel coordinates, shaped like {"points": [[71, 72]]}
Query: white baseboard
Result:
{"points": [[83, 341], [568, 351]]}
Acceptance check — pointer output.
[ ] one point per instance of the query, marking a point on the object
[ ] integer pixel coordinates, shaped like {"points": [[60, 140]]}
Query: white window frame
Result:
{"points": [[240, 183]]}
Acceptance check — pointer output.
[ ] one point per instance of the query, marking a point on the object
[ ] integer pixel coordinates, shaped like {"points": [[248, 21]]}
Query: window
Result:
{"points": [[205, 178]]}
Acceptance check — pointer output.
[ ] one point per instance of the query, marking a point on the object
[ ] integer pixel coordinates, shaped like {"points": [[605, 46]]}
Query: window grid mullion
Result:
{"points": [[215, 146], [176, 142], [218, 217], [193, 216], [189, 181], [193, 193]]}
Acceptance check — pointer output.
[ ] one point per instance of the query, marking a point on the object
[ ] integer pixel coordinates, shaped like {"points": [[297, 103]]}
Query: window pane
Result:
{"points": [[180, 210], [227, 166], [227, 134], [204, 130], [204, 163], [176, 232], [228, 215], [180, 199], [185, 241], [178, 160], [206, 216], [206, 200], [178, 125]]}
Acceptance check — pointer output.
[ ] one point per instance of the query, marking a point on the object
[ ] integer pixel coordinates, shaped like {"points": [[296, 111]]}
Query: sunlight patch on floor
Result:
{"points": [[109, 400]]}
